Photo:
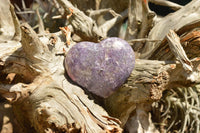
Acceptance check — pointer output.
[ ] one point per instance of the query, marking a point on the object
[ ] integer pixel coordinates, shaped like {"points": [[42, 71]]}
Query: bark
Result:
{"points": [[43, 97]]}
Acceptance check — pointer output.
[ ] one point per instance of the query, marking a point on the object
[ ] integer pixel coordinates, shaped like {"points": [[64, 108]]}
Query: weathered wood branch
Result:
{"points": [[17, 35], [83, 25], [189, 42], [7, 29], [96, 13], [110, 23], [50, 94], [178, 20], [141, 119], [35, 50], [140, 22], [41, 29], [178, 51]]}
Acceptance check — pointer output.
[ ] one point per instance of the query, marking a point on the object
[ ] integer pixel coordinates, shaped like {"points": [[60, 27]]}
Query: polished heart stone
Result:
{"points": [[102, 67]]}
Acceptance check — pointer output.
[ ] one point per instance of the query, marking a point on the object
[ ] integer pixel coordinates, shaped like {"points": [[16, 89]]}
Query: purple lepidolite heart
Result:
{"points": [[100, 67]]}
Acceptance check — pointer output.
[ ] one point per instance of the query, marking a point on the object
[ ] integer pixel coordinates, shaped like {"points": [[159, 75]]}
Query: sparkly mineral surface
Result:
{"points": [[102, 67]]}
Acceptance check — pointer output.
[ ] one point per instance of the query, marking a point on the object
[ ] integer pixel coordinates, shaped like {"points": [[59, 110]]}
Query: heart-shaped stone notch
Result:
{"points": [[100, 67]]}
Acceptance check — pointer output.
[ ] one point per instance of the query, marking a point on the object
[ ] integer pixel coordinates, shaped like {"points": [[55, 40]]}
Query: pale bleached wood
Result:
{"points": [[110, 23], [175, 21], [50, 101], [17, 35], [86, 27], [83, 25], [7, 29], [140, 21], [178, 51]]}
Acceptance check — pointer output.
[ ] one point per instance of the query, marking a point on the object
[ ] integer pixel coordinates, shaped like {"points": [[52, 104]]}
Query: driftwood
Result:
{"points": [[175, 21], [43, 97], [57, 105]]}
